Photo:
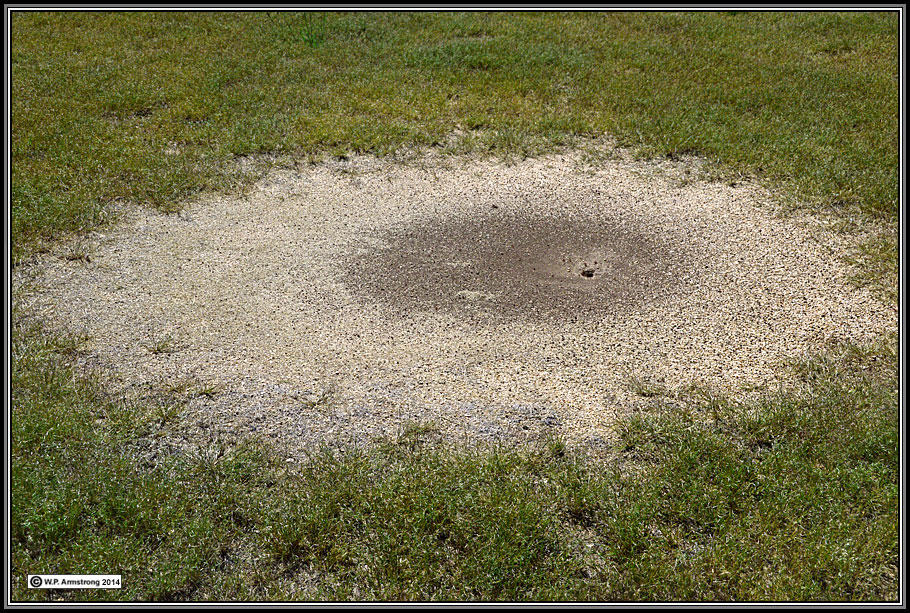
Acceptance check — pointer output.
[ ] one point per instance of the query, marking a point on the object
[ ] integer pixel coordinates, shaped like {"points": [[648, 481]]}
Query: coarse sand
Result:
{"points": [[487, 301]]}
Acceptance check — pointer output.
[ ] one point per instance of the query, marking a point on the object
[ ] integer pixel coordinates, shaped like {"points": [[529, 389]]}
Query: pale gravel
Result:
{"points": [[276, 296]]}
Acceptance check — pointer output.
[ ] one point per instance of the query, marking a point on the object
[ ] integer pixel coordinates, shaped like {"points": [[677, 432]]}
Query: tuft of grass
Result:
{"points": [[292, 27], [209, 390], [163, 345]]}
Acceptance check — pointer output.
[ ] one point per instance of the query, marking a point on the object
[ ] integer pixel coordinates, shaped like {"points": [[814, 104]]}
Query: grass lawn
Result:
{"points": [[794, 497]]}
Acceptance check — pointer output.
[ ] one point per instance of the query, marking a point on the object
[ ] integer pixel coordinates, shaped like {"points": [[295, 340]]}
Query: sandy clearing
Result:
{"points": [[497, 301]]}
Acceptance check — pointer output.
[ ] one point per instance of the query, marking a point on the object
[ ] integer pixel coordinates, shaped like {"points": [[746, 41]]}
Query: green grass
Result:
{"points": [[152, 107], [792, 498]]}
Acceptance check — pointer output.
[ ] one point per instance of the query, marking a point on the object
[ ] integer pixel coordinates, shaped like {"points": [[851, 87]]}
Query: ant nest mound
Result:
{"points": [[485, 300]]}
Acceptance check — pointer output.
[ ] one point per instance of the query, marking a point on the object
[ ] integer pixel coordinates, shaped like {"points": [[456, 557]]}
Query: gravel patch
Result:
{"points": [[497, 302]]}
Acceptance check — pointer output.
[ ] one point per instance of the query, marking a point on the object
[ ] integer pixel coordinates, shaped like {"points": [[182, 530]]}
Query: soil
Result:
{"points": [[514, 265]]}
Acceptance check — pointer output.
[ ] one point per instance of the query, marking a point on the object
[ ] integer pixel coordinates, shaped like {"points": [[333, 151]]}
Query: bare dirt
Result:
{"points": [[512, 265], [339, 302]]}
